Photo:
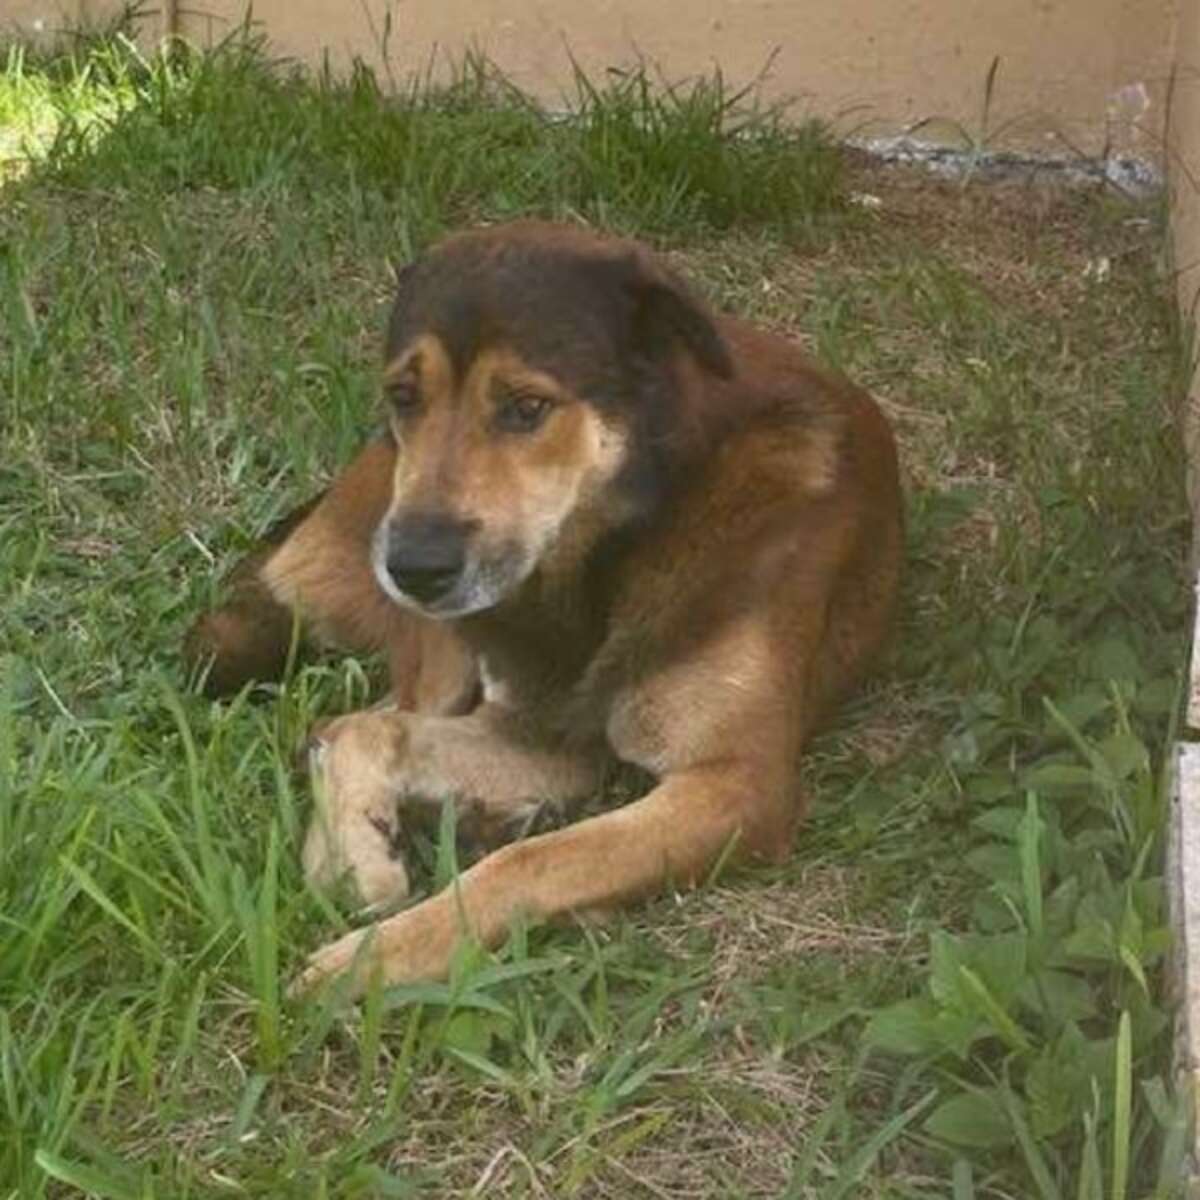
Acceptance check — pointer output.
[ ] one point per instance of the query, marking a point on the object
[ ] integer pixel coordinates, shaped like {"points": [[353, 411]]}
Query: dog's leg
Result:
{"points": [[367, 767], [669, 837], [316, 573], [721, 729], [355, 830]]}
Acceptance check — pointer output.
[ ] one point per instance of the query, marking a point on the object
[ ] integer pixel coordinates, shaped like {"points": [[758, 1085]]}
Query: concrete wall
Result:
{"points": [[44, 18], [1183, 860], [1081, 74]]}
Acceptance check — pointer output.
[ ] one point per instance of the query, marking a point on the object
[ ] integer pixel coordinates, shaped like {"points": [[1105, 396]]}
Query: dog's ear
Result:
{"points": [[666, 314], [402, 274]]}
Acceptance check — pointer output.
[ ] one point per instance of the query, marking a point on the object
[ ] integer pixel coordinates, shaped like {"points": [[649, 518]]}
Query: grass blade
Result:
{"points": [[1122, 1098], [851, 1175], [1005, 1026], [1029, 837], [962, 1180], [87, 1178], [89, 886], [1039, 1170]]}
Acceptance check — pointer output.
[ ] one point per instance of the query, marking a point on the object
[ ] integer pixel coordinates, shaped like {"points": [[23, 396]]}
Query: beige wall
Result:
{"points": [[49, 18], [1085, 70], [1073, 73]]}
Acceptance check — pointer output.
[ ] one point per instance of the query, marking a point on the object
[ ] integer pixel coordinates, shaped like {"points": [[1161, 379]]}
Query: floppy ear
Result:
{"points": [[402, 274], [666, 313]]}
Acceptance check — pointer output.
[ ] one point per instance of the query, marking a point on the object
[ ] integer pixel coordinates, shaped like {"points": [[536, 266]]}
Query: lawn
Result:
{"points": [[956, 985]]}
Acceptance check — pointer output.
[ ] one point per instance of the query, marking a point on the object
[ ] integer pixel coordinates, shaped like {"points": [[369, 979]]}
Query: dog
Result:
{"points": [[605, 524]]}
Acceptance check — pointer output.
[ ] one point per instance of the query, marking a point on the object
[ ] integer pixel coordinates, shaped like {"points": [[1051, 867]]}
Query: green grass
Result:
{"points": [[954, 987]]}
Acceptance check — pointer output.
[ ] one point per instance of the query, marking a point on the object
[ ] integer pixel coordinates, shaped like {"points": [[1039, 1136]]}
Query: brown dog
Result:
{"points": [[606, 524]]}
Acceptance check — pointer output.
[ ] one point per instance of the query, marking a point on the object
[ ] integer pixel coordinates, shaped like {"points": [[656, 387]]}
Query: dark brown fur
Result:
{"points": [[685, 559]]}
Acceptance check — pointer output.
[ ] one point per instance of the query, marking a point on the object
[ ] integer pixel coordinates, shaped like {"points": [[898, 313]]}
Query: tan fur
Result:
{"points": [[523, 491], [710, 640], [322, 574]]}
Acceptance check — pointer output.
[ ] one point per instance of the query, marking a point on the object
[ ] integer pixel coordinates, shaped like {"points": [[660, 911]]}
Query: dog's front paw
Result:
{"points": [[367, 855], [355, 831], [346, 959], [413, 946]]}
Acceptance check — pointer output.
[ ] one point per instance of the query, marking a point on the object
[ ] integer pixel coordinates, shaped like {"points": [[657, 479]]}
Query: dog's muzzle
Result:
{"points": [[425, 554]]}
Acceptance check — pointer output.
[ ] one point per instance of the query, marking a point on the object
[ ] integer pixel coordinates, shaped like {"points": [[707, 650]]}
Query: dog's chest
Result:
{"points": [[496, 688], [533, 658]]}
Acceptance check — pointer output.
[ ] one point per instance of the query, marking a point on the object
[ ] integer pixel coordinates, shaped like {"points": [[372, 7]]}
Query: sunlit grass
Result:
{"points": [[41, 99]]}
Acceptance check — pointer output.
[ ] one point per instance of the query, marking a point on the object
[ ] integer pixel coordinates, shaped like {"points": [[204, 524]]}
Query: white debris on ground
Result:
{"points": [[1133, 176]]}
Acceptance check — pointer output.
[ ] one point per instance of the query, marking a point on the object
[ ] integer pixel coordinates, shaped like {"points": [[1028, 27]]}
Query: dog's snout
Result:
{"points": [[426, 553]]}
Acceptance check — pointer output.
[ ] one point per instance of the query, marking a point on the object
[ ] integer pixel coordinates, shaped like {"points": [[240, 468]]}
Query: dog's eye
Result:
{"points": [[522, 412], [403, 397]]}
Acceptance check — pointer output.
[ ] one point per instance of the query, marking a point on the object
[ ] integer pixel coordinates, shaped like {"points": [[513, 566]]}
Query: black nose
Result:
{"points": [[426, 553]]}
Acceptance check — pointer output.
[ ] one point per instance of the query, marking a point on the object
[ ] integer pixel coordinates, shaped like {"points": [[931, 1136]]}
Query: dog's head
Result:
{"points": [[530, 388]]}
